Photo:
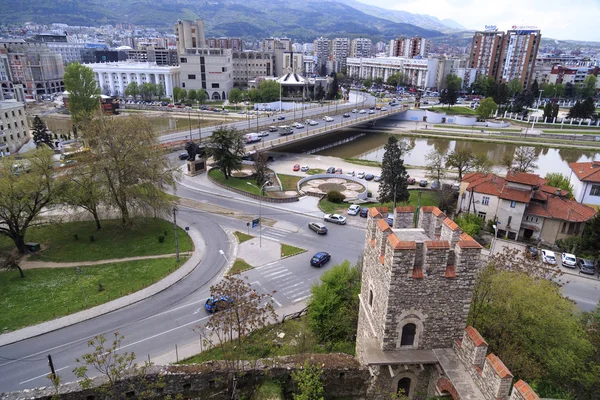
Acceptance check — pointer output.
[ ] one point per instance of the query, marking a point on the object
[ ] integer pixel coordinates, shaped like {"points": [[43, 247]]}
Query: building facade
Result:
{"points": [[421, 73], [190, 35], [14, 129], [248, 65], [585, 178], [235, 44], [323, 52], [409, 47], [486, 53], [361, 48], [340, 50]]}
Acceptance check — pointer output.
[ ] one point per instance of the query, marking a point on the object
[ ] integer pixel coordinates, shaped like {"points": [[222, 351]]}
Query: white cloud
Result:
{"points": [[575, 19]]}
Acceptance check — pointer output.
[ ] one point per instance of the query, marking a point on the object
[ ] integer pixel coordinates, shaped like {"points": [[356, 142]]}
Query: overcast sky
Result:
{"points": [[557, 19]]}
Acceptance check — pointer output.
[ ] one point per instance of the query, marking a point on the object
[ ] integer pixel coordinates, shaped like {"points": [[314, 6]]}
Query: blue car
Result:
{"points": [[320, 259], [213, 305], [281, 117]]}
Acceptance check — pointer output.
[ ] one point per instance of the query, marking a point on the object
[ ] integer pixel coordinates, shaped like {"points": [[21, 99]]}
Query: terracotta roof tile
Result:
{"points": [[451, 224], [498, 366], [523, 178], [526, 390], [469, 244], [437, 244], [427, 209], [465, 236], [485, 183], [400, 245], [373, 212], [522, 196], [437, 212], [417, 272], [560, 208], [383, 225], [587, 171], [405, 209], [475, 336], [450, 272], [552, 190]]}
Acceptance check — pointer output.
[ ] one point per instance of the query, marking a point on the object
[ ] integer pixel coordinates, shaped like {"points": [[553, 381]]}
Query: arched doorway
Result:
{"points": [[216, 96], [403, 387], [408, 335]]}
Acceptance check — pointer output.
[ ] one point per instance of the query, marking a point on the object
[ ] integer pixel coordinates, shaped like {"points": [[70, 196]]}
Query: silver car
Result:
{"points": [[338, 219]]}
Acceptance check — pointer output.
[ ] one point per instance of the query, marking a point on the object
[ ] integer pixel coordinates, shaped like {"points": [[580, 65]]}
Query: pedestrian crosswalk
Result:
{"points": [[285, 282], [274, 234]]}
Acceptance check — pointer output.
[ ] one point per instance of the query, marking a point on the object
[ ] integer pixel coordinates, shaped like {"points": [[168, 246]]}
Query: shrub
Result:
{"points": [[471, 224], [161, 238], [165, 233], [92, 238], [335, 197], [75, 236]]}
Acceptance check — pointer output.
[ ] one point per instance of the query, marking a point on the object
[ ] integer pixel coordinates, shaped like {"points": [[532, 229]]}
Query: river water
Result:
{"points": [[370, 147]]}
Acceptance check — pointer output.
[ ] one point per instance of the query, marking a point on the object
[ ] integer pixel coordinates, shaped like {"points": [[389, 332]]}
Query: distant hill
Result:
{"points": [[300, 20]]}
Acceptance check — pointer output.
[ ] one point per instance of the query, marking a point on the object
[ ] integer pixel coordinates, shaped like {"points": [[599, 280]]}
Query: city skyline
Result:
{"points": [[555, 19]]}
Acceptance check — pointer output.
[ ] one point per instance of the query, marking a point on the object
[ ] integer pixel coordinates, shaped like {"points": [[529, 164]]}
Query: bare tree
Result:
{"points": [[461, 160], [10, 262], [524, 160], [260, 168], [435, 165]]}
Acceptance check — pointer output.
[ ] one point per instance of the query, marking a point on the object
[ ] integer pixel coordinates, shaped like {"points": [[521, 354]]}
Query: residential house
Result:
{"points": [[523, 206], [585, 178]]}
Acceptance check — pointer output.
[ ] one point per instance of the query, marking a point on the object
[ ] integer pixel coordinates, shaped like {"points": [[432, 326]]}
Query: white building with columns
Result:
{"points": [[114, 77], [421, 73]]}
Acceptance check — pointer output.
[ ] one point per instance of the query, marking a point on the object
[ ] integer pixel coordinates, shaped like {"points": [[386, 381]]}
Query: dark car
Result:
{"points": [[531, 252], [423, 183], [411, 181], [364, 212], [586, 266], [281, 117], [331, 170], [369, 177], [320, 259], [213, 305], [318, 227], [435, 184], [346, 115], [183, 156]]}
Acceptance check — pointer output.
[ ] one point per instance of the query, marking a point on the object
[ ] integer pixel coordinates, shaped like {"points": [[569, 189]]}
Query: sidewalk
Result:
{"points": [[50, 264]]}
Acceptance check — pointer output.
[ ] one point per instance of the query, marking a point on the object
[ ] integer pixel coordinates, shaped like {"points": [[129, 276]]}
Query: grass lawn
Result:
{"points": [[112, 241], [567, 132], [428, 198], [446, 126], [332, 208], [455, 110], [315, 171], [289, 182], [242, 237], [238, 266], [238, 183], [47, 293], [368, 163], [288, 251], [264, 343]]}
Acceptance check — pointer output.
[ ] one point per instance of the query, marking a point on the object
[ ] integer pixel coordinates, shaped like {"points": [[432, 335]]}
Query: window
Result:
{"points": [[191, 76], [509, 221], [485, 200], [183, 84], [404, 387], [223, 69], [481, 215], [408, 335], [595, 190], [183, 60], [513, 204], [371, 298], [215, 86]]}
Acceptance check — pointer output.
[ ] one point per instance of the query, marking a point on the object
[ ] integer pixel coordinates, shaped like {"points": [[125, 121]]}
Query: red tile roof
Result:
{"points": [[498, 366], [383, 225], [437, 244], [524, 178], [484, 183], [560, 208], [405, 209], [553, 190], [399, 244], [451, 224], [526, 390], [587, 171], [522, 196], [475, 336]]}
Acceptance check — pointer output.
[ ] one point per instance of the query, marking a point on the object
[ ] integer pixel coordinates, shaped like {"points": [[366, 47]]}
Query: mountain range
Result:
{"points": [[300, 20]]}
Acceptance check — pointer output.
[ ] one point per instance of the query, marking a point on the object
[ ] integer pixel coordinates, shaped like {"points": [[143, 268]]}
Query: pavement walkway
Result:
{"points": [[49, 264]]}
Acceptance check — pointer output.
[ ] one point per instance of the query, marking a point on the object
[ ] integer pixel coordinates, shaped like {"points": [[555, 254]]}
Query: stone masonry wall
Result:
{"points": [[383, 383], [404, 217]]}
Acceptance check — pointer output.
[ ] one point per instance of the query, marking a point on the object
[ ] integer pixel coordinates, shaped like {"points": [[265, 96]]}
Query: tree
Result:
{"points": [[515, 86], [147, 90], [450, 94], [396, 79], [83, 188], [160, 91], [484, 85], [558, 180], [319, 93], [394, 178], [482, 164], [269, 91], [235, 95], [501, 93], [192, 95], [27, 190], [10, 262], [41, 135], [461, 160], [367, 83], [591, 238], [486, 108], [435, 165], [308, 379], [555, 109], [559, 90], [260, 168], [588, 86], [588, 108], [333, 305], [178, 94], [83, 92], [333, 88], [548, 112], [132, 90], [524, 160], [226, 147], [201, 95], [131, 166], [378, 81], [535, 88]]}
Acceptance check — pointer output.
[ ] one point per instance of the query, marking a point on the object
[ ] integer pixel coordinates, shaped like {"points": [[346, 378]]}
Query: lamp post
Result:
{"points": [[190, 124], [259, 210], [175, 229], [199, 128], [495, 237]]}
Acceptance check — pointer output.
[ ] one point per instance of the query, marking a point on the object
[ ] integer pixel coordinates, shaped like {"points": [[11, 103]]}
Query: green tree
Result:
{"points": [[192, 95], [486, 108], [201, 95], [261, 168], [394, 178], [471, 224], [333, 88], [462, 160], [28, 188], [367, 83], [450, 94], [588, 86], [83, 187], [269, 90], [482, 164], [396, 79], [501, 93], [309, 381], [226, 147], [132, 90], [178, 94], [235, 96], [588, 108], [591, 238], [319, 93], [41, 136], [548, 112], [558, 180], [147, 90], [515, 86], [83, 92], [576, 111], [160, 91], [559, 90], [555, 109], [535, 88], [333, 306], [131, 166], [484, 85]]}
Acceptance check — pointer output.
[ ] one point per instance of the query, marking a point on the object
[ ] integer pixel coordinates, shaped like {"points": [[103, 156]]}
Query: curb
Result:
{"points": [[72, 319]]}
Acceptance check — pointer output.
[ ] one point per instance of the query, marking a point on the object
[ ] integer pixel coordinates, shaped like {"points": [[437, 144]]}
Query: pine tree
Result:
{"points": [[41, 134], [394, 178]]}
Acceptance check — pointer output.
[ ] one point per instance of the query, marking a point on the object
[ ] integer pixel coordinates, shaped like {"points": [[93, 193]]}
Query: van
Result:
{"points": [[318, 227]]}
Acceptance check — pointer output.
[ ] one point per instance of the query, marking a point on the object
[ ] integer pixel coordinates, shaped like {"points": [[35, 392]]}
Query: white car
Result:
{"points": [[548, 257], [568, 260], [351, 173], [384, 108], [361, 175], [363, 111], [355, 111], [354, 209], [304, 168], [312, 122], [327, 118], [338, 219], [298, 125], [371, 111]]}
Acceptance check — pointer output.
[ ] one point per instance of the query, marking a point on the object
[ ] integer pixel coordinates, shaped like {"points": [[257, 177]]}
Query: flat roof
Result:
{"points": [[412, 235]]}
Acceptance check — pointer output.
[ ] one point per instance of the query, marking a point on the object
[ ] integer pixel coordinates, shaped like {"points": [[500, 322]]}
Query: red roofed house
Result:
{"points": [[524, 206], [585, 178]]}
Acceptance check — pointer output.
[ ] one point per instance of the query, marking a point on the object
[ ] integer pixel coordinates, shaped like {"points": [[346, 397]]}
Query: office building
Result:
{"points": [[248, 65], [190, 35], [271, 44], [235, 44], [421, 73], [409, 47], [361, 48], [14, 130]]}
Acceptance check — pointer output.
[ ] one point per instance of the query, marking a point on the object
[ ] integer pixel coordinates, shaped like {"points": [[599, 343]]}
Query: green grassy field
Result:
{"points": [[428, 198], [289, 182], [288, 250], [238, 266], [47, 293], [567, 132], [447, 126], [238, 183], [368, 163], [112, 241], [315, 171], [455, 110]]}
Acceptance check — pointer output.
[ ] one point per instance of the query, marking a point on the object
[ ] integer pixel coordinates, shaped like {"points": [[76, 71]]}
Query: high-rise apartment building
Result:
{"points": [[323, 53], [486, 52], [190, 35], [340, 51], [361, 48], [235, 44], [409, 47], [272, 44]]}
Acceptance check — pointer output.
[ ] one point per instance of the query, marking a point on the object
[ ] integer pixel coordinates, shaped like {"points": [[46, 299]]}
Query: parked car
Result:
{"points": [[364, 212], [331, 170], [213, 305], [346, 115], [350, 173], [586, 266], [568, 260], [338, 219], [297, 167], [435, 184], [320, 259], [354, 209], [390, 220], [318, 227], [361, 175], [338, 171], [304, 168], [531, 252], [411, 181], [377, 178], [369, 177], [548, 257], [327, 119], [423, 183], [183, 156]]}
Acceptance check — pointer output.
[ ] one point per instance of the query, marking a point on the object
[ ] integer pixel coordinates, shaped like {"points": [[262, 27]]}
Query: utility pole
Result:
{"points": [[175, 229], [51, 364]]}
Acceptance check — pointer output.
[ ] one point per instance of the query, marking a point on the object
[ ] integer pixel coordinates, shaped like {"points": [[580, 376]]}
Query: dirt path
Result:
{"points": [[49, 264]]}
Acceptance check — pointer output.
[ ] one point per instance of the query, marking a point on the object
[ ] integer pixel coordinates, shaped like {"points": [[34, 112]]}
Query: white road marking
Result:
{"points": [[278, 268], [278, 274], [164, 333], [42, 376], [286, 280], [297, 291], [267, 265], [276, 302], [292, 286], [271, 238], [300, 299]]}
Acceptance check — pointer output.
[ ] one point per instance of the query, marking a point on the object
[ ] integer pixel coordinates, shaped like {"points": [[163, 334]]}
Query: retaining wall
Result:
{"points": [[361, 196]]}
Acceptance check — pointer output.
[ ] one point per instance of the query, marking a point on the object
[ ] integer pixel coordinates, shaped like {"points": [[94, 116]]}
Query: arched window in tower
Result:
{"points": [[408, 335], [404, 387]]}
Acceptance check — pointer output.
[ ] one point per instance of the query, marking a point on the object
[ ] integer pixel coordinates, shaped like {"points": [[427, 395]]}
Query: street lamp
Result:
{"points": [[175, 229], [495, 237], [259, 210]]}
